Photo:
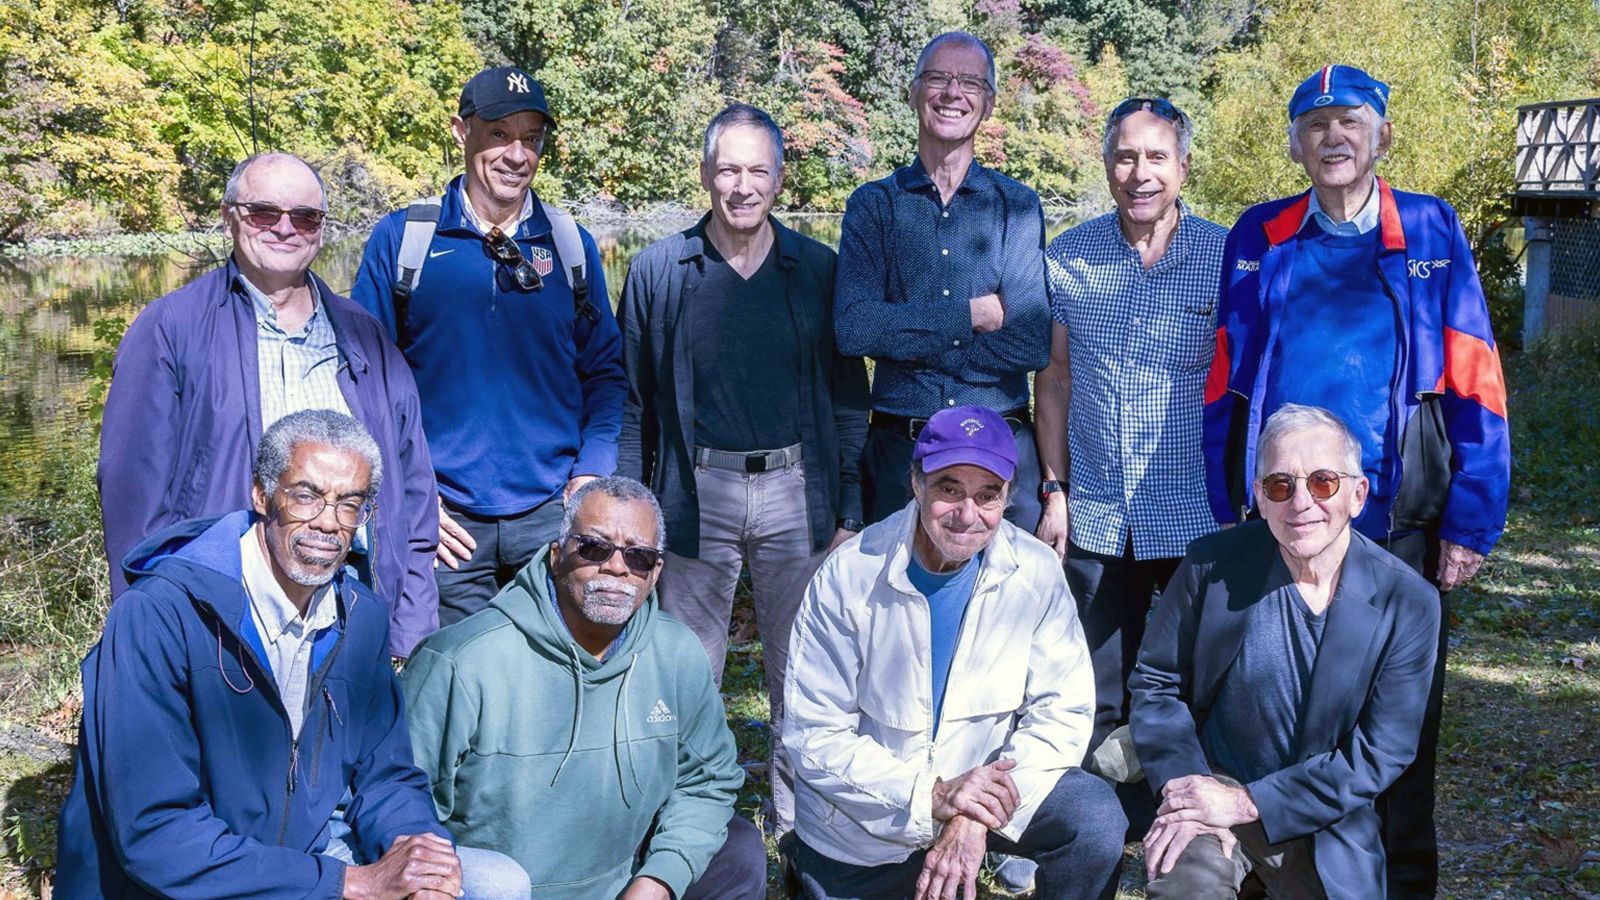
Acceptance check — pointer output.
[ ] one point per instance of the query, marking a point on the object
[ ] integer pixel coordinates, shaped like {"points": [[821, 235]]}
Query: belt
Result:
{"points": [[749, 463], [911, 426]]}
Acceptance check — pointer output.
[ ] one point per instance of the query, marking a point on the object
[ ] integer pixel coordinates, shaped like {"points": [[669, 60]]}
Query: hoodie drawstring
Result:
{"points": [[250, 683], [577, 711], [627, 731]]}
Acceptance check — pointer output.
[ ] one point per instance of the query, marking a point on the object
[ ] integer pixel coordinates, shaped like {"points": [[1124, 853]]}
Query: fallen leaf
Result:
{"points": [[1577, 662]]}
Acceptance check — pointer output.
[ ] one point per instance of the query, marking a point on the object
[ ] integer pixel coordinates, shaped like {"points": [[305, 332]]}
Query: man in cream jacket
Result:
{"points": [[940, 695]]}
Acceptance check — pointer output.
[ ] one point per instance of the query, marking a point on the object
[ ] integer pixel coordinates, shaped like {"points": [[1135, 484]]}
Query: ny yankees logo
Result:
{"points": [[971, 426], [518, 82]]}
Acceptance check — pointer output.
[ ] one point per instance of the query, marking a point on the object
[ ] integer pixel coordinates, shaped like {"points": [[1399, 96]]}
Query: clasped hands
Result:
{"points": [[970, 804], [1191, 806]]}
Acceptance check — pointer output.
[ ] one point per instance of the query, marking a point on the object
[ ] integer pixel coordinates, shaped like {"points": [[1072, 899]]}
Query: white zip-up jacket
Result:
{"points": [[859, 722]]}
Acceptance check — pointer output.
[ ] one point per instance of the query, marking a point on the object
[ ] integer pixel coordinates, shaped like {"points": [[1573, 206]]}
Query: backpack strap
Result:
{"points": [[422, 220], [569, 246]]}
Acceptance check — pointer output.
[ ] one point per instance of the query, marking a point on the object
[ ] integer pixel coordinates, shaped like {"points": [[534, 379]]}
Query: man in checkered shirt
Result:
{"points": [[1134, 296]]}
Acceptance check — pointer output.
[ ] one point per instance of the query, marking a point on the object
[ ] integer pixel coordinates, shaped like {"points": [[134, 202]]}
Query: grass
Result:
{"points": [[1519, 790]]}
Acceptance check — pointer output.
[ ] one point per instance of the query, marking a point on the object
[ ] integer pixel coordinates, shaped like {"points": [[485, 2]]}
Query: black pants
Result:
{"points": [[738, 871], [886, 476], [1406, 808], [1114, 595], [505, 545]]}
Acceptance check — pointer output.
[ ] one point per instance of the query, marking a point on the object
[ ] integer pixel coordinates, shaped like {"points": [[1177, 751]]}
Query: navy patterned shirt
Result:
{"points": [[1140, 343], [909, 264]]}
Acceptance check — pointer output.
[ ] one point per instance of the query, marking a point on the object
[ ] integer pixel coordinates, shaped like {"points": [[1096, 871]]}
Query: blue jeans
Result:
{"points": [[1075, 837]]}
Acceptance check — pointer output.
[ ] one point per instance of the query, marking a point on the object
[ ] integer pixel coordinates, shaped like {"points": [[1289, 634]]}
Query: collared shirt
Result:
{"points": [[1362, 222], [300, 370], [286, 635], [483, 226], [1140, 343], [909, 264]]}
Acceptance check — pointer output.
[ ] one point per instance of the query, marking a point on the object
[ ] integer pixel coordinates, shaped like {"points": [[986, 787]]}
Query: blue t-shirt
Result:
{"points": [[1338, 348], [947, 593]]}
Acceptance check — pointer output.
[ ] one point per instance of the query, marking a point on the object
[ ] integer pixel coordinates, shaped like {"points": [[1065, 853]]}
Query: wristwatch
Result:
{"points": [[852, 524], [1046, 488]]}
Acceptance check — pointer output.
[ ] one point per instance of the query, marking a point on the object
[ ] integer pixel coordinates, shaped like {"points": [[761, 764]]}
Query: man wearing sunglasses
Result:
{"points": [[205, 370], [1282, 684], [1365, 300], [520, 382], [574, 727], [241, 687], [941, 282], [939, 696], [1134, 294]]}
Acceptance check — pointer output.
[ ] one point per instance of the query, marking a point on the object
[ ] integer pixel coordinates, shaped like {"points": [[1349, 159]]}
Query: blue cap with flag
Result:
{"points": [[1338, 86]]}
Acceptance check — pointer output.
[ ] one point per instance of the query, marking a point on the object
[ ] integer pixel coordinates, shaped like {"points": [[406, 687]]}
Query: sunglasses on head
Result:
{"points": [[1321, 484], [304, 219], [505, 250], [1156, 105], [598, 550]]}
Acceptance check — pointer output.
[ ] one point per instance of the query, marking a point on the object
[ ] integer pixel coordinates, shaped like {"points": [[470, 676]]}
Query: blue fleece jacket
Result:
{"points": [[518, 393], [189, 783]]}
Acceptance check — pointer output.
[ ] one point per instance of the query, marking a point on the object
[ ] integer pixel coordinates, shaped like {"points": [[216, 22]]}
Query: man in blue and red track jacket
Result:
{"points": [[1365, 300]]}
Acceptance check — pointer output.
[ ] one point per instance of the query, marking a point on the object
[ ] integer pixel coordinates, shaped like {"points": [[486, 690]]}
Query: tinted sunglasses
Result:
{"points": [[1321, 484], [505, 250], [1157, 105], [639, 560], [304, 219]]}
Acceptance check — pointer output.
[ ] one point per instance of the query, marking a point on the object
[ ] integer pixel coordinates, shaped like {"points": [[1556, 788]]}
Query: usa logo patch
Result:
{"points": [[543, 262]]}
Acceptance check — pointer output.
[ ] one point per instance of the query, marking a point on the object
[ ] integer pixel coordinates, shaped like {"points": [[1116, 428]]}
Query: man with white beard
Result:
{"points": [[575, 728]]}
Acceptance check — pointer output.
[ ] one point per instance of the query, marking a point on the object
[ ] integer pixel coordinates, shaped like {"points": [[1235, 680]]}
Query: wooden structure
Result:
{"points": [[1558, 196]]}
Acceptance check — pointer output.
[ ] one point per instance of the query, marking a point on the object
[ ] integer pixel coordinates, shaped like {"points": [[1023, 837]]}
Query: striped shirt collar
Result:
{"points": [[267, 314], [483, 227]]}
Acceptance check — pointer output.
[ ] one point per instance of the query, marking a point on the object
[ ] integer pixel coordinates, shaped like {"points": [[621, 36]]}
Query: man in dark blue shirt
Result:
{"points": [[941, 283]]}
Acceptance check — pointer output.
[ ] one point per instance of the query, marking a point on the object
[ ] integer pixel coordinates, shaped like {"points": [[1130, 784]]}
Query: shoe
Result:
{"points": [[1013, 874]]}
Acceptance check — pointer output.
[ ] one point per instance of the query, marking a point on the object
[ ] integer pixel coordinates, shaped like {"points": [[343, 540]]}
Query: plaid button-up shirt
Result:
{"points": [[298, 371], [1140, 343]]}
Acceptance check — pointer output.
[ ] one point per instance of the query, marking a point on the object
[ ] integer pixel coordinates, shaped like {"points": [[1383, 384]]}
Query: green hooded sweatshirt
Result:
{"points": [[536, 749]]}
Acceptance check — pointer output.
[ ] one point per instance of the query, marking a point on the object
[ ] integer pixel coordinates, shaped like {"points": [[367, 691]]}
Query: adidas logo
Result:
{"points": [[660, 714]]}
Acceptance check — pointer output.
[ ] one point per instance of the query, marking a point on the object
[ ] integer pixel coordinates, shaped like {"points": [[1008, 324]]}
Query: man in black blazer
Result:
{"points": [[1281, 685]]}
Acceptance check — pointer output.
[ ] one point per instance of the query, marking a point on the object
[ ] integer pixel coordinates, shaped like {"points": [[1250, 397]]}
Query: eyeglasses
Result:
{"points": [[302, 506], [1156, 105], [1321, 484], [504, 249], [304, 219], [970, 84], [639, 560]]}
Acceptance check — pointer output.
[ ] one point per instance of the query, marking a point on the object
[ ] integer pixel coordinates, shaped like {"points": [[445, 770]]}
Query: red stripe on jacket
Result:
{"points": [[1217, 378], [1472, 370]]}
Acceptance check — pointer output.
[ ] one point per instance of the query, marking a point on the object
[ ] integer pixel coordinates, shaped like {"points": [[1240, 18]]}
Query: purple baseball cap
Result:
{"points": [[967, 435]]}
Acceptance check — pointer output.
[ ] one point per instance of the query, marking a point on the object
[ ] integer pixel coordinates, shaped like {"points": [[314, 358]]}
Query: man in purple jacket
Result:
{"points": [[205, 370]]}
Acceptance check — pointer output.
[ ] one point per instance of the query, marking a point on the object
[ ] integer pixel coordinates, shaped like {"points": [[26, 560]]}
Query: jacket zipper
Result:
{"points": [[1400, 357], [316, 684]]}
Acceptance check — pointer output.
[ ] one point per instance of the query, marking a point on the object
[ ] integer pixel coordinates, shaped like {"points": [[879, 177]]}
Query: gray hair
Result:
{"points": [[314, 426], [617, 487], [230, 194], [1184, 126], [1373, 117], [1293, 418], [737, 114], [960, 37]]}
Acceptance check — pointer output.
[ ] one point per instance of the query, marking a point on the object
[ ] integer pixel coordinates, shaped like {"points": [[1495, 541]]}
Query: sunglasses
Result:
{"points": [[1321, 484], [639, 560], [304, 219], [505, 250], [1156, 105]]}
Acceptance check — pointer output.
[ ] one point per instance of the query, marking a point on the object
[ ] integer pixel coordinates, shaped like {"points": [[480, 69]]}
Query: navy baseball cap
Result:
{"points": [[497, 93], [1338, 86], [970, 435]]}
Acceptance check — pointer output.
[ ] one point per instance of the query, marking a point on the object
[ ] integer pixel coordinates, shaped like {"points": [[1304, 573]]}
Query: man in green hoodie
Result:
{"points": [[575, 727]]}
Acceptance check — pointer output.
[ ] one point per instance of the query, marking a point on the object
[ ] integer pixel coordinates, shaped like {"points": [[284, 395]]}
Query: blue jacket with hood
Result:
{"points": [[188, 781]]}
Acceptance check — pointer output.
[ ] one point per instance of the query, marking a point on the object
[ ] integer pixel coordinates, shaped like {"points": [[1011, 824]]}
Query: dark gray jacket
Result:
{"points": [[658, 417]]}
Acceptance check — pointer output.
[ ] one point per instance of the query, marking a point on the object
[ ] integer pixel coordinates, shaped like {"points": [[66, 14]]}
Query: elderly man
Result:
{"points": [[203, 371], [242, 685], [498, 301], [574, 727], [1365, 300], [740, 413], [941, 282], [1282, 684], [939, 695], [1134, 293]]}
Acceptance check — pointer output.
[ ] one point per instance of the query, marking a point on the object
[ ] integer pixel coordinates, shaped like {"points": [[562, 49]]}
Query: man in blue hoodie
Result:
{"points": [[520, 377], [242, 684]]}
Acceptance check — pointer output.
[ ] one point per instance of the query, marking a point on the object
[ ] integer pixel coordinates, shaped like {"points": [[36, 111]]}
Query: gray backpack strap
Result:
{"points": [[569, 246], [422, 220]]}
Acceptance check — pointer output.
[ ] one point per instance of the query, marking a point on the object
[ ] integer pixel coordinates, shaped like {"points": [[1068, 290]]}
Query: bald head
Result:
{"points": [[279, 168]]}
